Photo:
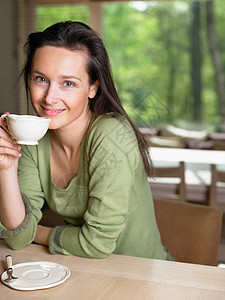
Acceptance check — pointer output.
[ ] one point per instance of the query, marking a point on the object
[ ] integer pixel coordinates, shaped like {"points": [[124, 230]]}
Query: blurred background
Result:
{"points": [[167, 57]]}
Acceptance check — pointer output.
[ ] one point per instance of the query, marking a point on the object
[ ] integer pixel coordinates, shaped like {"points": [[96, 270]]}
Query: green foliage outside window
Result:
{"points": [[150, 52], [48, 15]]}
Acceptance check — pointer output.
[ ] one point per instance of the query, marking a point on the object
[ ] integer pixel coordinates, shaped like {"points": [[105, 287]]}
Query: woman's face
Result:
{"points": [[59, 86]]}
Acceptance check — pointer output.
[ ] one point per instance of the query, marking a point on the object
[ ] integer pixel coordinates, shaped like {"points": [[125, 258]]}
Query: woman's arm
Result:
{"points": [[12, 210], [23, 230]]}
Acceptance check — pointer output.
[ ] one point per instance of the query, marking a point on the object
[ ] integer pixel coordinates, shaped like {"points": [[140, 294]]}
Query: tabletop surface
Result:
{"points": [[119, 277]]}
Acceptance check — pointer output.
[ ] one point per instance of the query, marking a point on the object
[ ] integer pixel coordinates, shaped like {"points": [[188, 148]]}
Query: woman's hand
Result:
{"points": [[9, 149]]}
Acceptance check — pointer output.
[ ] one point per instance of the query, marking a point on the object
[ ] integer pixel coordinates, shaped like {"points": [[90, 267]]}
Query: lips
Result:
{"points": [[50, 112]]}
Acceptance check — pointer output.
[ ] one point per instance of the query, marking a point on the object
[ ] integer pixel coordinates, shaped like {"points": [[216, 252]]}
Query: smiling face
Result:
{"points": [[59, 86]]}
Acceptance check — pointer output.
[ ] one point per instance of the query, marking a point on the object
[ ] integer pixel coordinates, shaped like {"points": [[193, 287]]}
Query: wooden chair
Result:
{"points": [[50, 218], [190, 231], [216, 177], [177, 172]]}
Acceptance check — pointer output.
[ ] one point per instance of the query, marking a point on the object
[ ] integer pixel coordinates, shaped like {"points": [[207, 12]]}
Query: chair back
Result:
{"points": [[190, 231], [216, 177], [177, 172], [50, 218]]}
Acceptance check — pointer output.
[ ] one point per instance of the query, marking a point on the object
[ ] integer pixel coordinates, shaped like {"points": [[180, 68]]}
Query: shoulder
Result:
{"points": [[107, 121], [114, 132], [111, 125]]}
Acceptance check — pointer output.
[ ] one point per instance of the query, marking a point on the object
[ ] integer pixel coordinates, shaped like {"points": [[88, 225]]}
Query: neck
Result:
{"points": [[69, 138]]}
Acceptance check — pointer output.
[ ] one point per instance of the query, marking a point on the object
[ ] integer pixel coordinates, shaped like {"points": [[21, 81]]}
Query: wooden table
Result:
{"points": [[119, 277]]}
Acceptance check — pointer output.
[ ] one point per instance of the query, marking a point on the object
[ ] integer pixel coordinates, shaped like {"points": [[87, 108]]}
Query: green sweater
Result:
{"points": [[108, 206]]}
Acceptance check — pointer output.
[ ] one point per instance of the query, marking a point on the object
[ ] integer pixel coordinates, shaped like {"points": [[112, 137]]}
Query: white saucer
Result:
{"points": [[36, 275]]}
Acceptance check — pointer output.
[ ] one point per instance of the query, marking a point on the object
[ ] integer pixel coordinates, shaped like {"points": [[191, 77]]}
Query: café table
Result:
{"points": [[118, 277]]}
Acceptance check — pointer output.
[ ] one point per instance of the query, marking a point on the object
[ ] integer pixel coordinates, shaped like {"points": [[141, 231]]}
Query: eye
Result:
{"points": [[68, 84], [39, 79]]}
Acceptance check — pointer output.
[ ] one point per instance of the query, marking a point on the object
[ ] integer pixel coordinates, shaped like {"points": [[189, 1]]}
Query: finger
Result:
{"points": [[9, 144], [9, 151], [6, 113], [3, 122], [5, 135], [3, 118]]}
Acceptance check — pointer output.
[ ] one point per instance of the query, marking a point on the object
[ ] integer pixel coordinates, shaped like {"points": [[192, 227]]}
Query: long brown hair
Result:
{"points": [[79, 36]]}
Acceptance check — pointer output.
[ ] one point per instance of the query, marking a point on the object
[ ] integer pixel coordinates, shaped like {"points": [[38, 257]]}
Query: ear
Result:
{"points": [[93, 89]]}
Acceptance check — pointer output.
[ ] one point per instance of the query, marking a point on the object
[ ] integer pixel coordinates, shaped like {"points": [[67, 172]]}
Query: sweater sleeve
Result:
{"points": [[112, 157], [29, 185]]}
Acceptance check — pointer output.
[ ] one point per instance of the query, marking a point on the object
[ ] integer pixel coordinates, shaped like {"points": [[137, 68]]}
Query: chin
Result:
{"points": [[55, 125]]}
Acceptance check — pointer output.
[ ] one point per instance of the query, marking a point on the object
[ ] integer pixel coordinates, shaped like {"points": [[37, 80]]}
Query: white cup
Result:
{"points": [[26, 129]]}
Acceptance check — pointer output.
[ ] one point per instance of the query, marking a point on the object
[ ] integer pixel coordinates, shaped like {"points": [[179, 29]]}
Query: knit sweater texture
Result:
{"points": [[107, 207]]}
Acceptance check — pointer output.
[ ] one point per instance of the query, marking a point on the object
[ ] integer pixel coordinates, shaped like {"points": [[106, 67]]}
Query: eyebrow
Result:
{"points": [[61, 76]]}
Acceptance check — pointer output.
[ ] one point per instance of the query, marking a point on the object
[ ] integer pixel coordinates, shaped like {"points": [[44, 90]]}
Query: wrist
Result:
{"points": [[10, 170], [42, 235]]}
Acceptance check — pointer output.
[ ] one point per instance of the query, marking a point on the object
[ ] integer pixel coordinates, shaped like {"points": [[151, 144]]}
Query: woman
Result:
{"points": [[92, 165]]}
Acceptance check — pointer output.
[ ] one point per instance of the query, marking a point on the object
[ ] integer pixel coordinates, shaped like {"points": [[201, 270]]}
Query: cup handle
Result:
{"points": [[4, 116]]}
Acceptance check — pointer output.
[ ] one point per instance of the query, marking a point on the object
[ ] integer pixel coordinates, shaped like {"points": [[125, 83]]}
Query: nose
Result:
{"points": [[52, 95]]}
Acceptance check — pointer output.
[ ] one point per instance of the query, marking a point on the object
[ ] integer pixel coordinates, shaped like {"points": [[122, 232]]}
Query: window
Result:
{"points": [[47, 15], [161, 56]]}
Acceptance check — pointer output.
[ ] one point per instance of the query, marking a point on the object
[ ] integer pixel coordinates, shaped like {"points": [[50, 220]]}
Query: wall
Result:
{"points": [[8, 57]]}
